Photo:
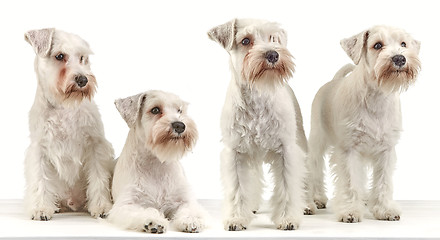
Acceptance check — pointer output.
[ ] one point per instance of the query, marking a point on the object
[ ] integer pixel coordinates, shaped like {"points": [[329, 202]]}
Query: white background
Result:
{"points": [[142, 45]]}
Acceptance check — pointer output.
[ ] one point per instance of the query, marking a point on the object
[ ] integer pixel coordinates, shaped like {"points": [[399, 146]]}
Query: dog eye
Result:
{"points": [[245, 41], [378, 46], [81, 59], [59, 57], [155, 110], [403, 44], [179, 110]]}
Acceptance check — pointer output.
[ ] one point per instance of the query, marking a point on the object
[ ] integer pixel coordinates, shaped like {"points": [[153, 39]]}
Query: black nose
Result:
{"points": [[272, 56], [399, 60], [179, 127], [81, 80]]}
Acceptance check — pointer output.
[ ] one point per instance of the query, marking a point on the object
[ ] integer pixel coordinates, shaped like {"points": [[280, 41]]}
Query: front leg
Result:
{"points": [[381, 201], [288, 200], [129, 215], [40, 198], [189, 217], [99, 169], [242, 185], [350, 184]]}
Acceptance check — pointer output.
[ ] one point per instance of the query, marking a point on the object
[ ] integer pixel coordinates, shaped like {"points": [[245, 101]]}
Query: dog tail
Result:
{"points": [[344, 71]]}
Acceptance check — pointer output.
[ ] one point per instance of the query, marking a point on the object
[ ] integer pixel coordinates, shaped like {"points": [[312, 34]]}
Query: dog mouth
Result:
{"points": [[177, 137], [73, 88], [73, 91], [269, 66]]}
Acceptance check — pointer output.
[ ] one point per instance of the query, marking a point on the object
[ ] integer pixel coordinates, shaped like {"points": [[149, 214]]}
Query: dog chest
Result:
{"points": [[66, 136], [160, 184], [257, 124], [374, 132]]}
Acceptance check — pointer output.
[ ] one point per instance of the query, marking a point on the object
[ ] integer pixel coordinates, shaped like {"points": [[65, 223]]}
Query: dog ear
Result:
{"points": [[224, 34], [355, 46], [417, 45], [283, 37], [41, 40], [130, 107]]}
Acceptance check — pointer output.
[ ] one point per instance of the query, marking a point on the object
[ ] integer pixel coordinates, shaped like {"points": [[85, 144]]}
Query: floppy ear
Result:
{"points": [[283, 37], [41, 40], [130, 108], [417, 45], [355, 46], [224, 34]]}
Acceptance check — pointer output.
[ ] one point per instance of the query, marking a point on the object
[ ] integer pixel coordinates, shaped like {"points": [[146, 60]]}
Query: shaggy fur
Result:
{"points": [[149, 185], [261, 123], [357, 117], [69, 163]]}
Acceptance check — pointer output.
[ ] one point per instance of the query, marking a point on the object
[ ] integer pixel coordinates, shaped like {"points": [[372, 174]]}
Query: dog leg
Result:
{"points": [[288, 204], [189, 217], [99, 169], [129, 215], [237, 179], [40, 198], [381, 197], [316, 167], [350, 183]]}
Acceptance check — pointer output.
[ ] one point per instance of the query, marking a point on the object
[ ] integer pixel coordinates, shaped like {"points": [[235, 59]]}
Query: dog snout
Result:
{"points": [[81, 80], [399, 60], [179, 127], [272, 56]]}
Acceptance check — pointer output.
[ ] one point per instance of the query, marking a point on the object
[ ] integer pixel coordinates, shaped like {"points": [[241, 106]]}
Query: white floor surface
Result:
{"points": [[420, 220]]}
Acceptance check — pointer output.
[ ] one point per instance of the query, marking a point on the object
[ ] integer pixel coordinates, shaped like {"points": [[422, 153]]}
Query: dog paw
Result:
{"points": [[288, 224], [189, 224], [236, 224], [42, 215], [320, 204], [154, 227], [387, 214], [308, 211], [100, 211], [350, 218]]}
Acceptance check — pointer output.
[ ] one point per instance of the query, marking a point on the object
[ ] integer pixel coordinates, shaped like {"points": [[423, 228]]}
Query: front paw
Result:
{"points": [[156, 227], [320, 204], [387, 214], [236, 224], [351, 217], [42, 214], [100, 210], [189, 224], [310, 209], [287, 224]]}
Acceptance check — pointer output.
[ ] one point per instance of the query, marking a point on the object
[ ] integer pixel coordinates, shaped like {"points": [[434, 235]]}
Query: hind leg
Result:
{"points": [[316, 166]]}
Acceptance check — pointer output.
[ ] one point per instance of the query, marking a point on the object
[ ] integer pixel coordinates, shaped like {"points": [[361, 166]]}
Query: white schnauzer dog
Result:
{"points": [[261, 123], [69, 163], [357, 117], [149, 184]]}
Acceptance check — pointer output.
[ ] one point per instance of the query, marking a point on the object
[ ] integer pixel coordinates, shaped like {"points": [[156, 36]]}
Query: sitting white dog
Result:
{"points": [[149, 184], [69, 163]]}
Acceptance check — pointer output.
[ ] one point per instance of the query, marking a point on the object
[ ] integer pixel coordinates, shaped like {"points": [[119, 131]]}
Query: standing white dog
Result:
{"points": [[69, 162], [358, 115], [149, 184], [261, 122]]}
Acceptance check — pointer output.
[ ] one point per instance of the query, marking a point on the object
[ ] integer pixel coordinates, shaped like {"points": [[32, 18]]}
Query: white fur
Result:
{"points": [[261, 123], [357, 117], [149, 184], [69, 163]]}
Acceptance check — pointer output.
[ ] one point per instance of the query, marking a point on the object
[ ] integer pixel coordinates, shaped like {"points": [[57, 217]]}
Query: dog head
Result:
{"points": [[389, 54], [62, 66], [160, 120], [259, 56]]}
